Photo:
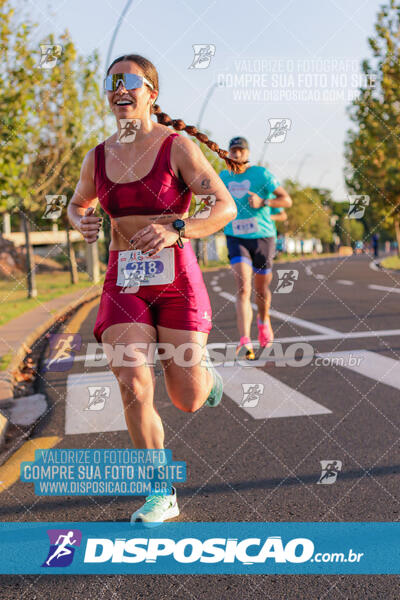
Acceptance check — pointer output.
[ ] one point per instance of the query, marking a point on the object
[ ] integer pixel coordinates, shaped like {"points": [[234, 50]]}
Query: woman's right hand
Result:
{"points": [[89, 225]]}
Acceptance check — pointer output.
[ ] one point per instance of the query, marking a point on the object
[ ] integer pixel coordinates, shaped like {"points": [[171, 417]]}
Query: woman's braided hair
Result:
{"points": [[150, 72]]}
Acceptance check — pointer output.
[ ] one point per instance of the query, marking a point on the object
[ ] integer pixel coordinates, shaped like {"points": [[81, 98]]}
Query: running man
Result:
{"points": [[146, 188], [62, 549], [251, 240]]}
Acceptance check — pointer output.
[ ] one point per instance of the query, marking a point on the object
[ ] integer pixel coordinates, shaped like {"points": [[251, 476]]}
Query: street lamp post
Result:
{"points": [[114, 35], [106, 222]]}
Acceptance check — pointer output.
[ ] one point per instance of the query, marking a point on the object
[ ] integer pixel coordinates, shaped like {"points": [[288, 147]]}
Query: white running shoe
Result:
{"points": [[156, 510]]}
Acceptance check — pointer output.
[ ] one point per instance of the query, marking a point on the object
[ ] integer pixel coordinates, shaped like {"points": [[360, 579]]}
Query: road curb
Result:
{"points": [[3, 427], [376, 265], [7, 377]]}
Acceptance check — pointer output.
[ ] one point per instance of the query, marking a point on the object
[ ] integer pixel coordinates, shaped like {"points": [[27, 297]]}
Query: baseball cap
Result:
{"points": [[239, 141]]}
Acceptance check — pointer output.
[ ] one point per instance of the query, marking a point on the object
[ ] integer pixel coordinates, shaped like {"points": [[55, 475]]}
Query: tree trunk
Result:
{"points": [[92, 262], [397, 230], [6, 223], [73, 269], [30, 260], [204, 253], [107, 234], [197, 249]]}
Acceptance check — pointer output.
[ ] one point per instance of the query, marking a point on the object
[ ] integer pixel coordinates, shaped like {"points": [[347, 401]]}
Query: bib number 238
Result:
{"points": [[135, 268]]}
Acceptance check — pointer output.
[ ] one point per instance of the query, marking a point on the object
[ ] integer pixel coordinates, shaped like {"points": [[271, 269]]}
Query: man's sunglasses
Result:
{"points": [[130, 81]]}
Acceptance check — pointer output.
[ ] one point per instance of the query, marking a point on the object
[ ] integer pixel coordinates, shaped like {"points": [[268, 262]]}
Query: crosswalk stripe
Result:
{"points": [[288, 318], [277, 399], [341, 336], [371, 364]]}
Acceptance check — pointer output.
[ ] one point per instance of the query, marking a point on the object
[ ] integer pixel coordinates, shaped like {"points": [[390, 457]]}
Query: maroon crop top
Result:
{"points": [[158, 192]]}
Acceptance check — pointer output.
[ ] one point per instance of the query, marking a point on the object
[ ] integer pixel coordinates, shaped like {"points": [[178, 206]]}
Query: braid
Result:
{"points": [[180, 125]]}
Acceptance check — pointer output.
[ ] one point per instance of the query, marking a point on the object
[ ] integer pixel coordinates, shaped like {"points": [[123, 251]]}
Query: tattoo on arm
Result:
{"points": [[205, 183]]}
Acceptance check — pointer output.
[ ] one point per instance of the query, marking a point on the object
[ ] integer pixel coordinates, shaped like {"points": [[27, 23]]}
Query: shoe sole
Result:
{"points": [[169, 514], [207, 403], [249, 353]]}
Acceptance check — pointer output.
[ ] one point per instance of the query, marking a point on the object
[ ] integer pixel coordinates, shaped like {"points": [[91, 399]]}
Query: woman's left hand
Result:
{"points": [[153, 238]]}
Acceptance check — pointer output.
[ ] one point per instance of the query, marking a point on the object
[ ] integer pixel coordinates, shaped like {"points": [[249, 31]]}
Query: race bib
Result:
{"points": [[136, 269], [245, 226]]}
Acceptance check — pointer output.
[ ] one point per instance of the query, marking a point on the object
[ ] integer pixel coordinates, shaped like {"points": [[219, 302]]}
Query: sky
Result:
{"points": [[280, 74]]}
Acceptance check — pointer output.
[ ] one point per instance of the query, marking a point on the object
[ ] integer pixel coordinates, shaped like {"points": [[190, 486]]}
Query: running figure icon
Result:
{"points": [[286, 280], [63, 349], [62, 549]]}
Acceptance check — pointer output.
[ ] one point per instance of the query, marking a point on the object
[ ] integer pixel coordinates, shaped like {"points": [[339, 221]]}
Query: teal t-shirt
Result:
{"points": [[251, 222]]}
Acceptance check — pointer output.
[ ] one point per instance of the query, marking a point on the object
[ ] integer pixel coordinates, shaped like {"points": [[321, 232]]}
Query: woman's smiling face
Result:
{"points": [[125, 103]]}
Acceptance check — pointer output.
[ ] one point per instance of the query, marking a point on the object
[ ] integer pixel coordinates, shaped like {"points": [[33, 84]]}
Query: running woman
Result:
{"points": [[251, 240], [157, 295]]}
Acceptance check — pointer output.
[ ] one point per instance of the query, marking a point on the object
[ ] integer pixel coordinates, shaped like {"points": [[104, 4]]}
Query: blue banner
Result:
{"points": [[199, 548]]}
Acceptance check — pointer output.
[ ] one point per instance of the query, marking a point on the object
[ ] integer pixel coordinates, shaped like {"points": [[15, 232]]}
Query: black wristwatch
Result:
{"points": [[179, 226]]}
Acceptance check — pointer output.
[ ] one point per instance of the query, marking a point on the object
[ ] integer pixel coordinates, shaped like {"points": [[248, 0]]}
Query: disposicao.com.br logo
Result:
{"points": [[213, 550], [200, 548]]}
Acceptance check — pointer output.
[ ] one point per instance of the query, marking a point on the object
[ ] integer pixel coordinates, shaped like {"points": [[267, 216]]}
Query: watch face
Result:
{"points": [[179, 224]]}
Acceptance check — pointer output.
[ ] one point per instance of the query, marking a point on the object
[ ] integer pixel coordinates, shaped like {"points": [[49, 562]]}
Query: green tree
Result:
{"points": [[18, 78], [50, 118], [311, 213], [71, 102], [373, 148], [349, 230]]}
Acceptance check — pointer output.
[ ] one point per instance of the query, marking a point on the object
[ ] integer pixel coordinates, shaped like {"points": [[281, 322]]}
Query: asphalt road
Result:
{"points": [[261, 462]]}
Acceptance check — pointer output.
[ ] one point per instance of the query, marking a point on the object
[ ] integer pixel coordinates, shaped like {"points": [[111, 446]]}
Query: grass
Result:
{"points": [[5, 360], [13, 294], [391, 262], [214, 264]]}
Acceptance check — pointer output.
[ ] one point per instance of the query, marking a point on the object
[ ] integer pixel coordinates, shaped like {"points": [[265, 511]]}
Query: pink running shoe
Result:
{"points": [[245, 342], [265, 333]]}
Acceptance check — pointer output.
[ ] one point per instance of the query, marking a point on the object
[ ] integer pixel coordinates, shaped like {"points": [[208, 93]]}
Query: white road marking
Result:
{"points": [[288, 318], [339, 336], [110, 418], [302, 323], [284, 340], [345, 281], [277, 400], [371, 364], [375, 265], [318, 276], [384, 288]]}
